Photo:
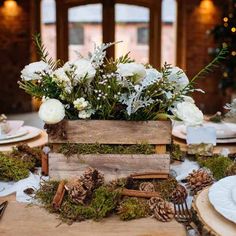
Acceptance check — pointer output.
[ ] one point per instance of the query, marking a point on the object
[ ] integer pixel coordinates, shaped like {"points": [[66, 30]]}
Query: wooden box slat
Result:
{"points": [[113, 166], [115, 132]]}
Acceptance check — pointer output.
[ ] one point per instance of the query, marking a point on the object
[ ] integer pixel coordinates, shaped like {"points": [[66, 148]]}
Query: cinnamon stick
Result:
{"points": [[150, 175], [137, 193], [44, 163], [58, 198]]}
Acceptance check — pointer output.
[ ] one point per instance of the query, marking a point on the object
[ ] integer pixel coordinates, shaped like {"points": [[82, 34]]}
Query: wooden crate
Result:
{"points": [[113, 166]]}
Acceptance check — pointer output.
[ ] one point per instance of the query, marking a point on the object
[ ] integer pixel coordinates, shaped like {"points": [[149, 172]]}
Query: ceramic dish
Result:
{"points": [[20, 132], [222, 197], [32, 132]]}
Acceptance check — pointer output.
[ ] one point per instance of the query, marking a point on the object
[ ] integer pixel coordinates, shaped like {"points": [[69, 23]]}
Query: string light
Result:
{"points": [[224, 45], [225, 74], [225, 24], [233, 53], [225, 19], [233, 29]]}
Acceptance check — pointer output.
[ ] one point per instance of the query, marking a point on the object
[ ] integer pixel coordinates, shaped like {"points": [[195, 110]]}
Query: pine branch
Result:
{"points": [[43, 53], [212, 65]]}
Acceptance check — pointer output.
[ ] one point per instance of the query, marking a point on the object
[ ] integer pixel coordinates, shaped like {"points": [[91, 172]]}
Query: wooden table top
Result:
{"points": [[217, 149], [38, 141], [21, 220]]}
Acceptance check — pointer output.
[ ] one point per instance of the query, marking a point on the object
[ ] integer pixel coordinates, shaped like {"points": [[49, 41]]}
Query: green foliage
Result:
{"points": [[70, 149], [217, 164], [212, 65], [43, 53], [13, 169], [133, 208]]}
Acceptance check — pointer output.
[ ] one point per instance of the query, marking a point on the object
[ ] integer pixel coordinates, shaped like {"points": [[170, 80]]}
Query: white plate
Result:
{"points": [[221, 197], [32, 132], [20, 132], [178, 131]]}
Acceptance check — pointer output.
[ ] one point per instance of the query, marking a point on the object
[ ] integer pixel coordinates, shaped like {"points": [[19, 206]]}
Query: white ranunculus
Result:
{"points": [[178, 76], [52, 111], [34, 70], [132, 69], [189, 113], [83, 69], [80, 104]]}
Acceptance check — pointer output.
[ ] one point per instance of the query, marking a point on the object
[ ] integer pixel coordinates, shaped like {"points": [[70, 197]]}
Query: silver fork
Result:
{"points": [[184, 216]]}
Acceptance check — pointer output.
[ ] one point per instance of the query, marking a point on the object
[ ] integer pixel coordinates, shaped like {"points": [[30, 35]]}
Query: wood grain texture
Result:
{"points": [[112, 165], [210, 221], [20, 220], [116, 132]]}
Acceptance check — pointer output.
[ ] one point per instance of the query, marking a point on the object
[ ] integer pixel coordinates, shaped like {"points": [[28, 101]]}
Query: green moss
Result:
{"points": [[103, 202], [70, 149], [133, 208], [12, 169], [166, 187], [176, 153], [217, 164]]}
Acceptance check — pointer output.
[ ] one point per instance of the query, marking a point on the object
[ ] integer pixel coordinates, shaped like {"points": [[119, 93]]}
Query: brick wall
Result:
{"points": [[15, 49], [201, 16]]}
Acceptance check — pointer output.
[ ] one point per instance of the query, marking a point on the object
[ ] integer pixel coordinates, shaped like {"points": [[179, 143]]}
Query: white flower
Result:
{"points": [[52, 111], [132, 69], [34, 70], [188, 99], [189, 113], [151, 72], [80, 104], [85, 114], [62, 79], [83, 69], [178, 76]]}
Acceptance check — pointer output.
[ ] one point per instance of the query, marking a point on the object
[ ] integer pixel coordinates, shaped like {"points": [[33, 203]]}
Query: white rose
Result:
{"points": [[34, 70], [83, 68], [151, 72], [85, 114], [62, 79], [52, 111], [188, 99], [178, 76], [80, 104], [132, 69], [189, 113]]}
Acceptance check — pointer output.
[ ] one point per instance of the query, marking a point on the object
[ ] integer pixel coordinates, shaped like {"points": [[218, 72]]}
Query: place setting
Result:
{"points": [[13, 132]]}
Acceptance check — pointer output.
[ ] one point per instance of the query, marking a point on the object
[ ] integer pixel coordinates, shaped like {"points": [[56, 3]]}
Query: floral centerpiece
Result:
{"points": [[106, 89]]}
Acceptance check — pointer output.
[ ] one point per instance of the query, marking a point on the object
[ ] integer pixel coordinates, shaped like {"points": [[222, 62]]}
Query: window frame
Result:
{"points": [[108, 21]]}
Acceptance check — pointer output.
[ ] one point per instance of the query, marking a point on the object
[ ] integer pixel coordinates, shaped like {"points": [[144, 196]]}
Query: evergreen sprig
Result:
{"points": [[43, 53], [212, 65]]}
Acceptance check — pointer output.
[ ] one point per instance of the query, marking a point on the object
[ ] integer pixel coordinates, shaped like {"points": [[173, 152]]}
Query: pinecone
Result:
{"points": [[162, 210], [147, 187], [92, 179], [179, 194], [197, 180], [231, 170], [76, 191]]}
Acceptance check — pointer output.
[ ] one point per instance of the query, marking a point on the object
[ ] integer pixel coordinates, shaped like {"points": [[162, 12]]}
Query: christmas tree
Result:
{"points": [[225, 36]]}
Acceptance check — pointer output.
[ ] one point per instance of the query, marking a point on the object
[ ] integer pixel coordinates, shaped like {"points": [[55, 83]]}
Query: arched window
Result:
{"points": [[144, 26]]}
